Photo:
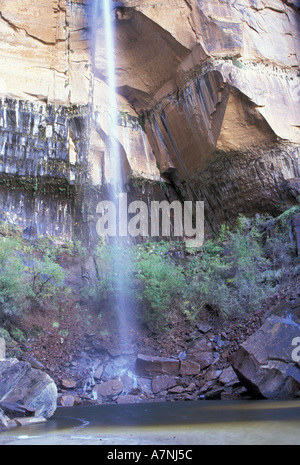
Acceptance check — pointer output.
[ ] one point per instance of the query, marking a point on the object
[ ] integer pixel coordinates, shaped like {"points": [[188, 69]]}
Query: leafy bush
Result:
{"points": [[13, 284], [162, 281], [249, 289], [25, 277]]}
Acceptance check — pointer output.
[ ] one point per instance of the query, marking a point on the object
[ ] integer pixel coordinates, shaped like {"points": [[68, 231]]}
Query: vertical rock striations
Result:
{"points": [[208, 97]]}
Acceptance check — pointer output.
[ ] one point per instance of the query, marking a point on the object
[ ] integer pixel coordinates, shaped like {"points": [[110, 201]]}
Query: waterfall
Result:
{"points": [[106, 9], [113, 145]]}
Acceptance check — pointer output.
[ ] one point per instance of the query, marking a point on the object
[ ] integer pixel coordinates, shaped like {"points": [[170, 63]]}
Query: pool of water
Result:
{"points": [[195, 423]]}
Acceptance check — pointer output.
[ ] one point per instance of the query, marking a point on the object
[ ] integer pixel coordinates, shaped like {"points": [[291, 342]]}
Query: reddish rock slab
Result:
{"points": [[150, 366], [188, 368]]}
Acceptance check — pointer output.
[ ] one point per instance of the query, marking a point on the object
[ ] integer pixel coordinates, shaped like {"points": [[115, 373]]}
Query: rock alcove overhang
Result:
{"points": [[147, 56], [198, 118], [186, 115]]}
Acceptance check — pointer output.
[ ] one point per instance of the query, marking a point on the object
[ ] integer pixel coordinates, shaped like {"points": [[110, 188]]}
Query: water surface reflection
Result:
{"points": [[211, 422]]}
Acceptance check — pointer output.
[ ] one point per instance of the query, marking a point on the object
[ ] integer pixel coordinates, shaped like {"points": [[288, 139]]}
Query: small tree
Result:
{"points": [[13, 285], [47, 276]]}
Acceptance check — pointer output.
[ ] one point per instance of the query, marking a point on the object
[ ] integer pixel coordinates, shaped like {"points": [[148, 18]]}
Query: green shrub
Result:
{"points": [[229, 278], [160, 281], [209, 275], [25, 277], [13, 285]]}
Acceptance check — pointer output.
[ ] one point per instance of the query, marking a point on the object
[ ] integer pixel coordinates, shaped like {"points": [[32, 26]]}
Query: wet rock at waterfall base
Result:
{"points": [[148, 365], [70, 401], [110, 388], [30, 421], [68, 383], [163, 383], [129, 399]]}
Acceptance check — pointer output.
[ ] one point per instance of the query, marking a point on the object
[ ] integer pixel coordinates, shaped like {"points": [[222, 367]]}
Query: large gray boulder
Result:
{"points": [[264, 363], [33, 389]]}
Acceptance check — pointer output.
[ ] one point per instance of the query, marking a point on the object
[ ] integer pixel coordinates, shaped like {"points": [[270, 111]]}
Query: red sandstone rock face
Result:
{"points": [[215, 85]]}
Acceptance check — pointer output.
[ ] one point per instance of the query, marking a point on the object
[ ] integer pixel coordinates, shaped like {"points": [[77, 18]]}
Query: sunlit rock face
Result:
{"points": [[253, 44], [223, 88], [48, 49], [44, 47], [208, 94]]}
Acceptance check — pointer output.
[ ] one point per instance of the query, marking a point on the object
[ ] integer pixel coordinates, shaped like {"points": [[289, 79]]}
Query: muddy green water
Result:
{"points": [[196, 423]]}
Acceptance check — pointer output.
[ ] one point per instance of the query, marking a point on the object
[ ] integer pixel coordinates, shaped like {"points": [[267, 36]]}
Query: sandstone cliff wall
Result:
{"points": [[208, 96]]}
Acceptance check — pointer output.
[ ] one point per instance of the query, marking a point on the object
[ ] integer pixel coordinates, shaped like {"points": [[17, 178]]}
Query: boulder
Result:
{"points": [[228, 377], [204, 328], [163, 383], [177, 390], [99, 372], [145, 385], [214, 394], [68, 383], [204, 359], [128, 383], [129, 399], [16, 410], [110, 388], [33, 362], [147, 365], [201, 351], [188, 368], [33, 389], [264, 363], [70, 401], [212, 374]]}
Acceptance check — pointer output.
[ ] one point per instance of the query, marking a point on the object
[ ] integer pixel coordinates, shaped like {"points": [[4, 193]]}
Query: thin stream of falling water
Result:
{"points": [[116, 179], [114, 152]]}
